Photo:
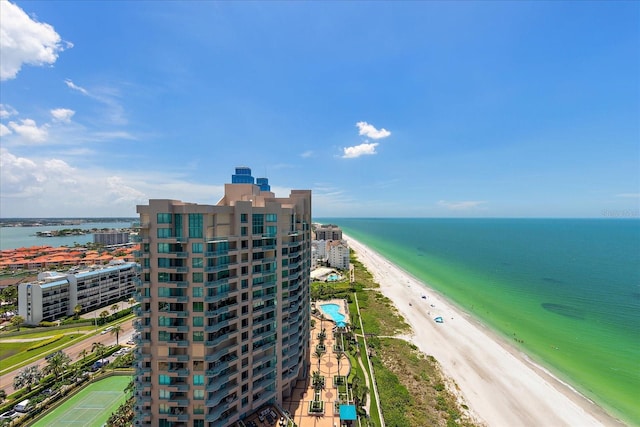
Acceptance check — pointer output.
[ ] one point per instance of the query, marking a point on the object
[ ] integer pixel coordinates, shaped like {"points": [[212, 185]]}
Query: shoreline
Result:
{"points": [[524, 393]]}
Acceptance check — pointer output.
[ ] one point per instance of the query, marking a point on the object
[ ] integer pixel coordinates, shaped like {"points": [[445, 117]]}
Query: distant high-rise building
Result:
{"points": [[328, 232], [224, 305], [109, 238]]}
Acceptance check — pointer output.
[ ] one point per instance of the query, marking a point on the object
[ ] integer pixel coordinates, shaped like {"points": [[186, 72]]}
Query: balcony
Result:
{"points": [[215, 413], [220, 393]]}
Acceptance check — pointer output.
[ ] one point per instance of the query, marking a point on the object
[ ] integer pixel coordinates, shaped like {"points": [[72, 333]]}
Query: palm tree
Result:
{"points": [[76, 311], [104, 316], [27, 378], [114, 308], [116, 331], [99, 347], [317, 354], [317, 381], [339, 356], [57, 364], [131, 302], [83, 353]]}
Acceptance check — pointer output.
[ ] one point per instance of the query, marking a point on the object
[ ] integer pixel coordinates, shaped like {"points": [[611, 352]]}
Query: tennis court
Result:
{"points": [[90, 407]]}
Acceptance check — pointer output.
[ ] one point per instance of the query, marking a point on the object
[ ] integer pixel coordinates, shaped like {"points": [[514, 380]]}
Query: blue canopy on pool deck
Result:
{"points": [[348, 413]]}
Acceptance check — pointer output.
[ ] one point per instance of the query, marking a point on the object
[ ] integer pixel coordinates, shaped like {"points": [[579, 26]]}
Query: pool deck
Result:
{"points": [[298, 403]]}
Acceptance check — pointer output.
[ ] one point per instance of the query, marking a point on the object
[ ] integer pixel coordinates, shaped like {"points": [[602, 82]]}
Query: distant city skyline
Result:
{"points": [[382, 109]]}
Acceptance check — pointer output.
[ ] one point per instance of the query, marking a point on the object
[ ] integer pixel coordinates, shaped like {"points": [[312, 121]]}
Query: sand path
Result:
{"points": [[500, 384]]}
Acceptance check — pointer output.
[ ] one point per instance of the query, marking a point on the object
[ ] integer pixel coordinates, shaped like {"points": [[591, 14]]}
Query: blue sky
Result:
{"points": [[404, 109]]}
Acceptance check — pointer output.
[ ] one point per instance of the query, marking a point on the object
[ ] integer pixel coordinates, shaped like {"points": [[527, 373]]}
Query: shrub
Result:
{"points": [[45, 342]]}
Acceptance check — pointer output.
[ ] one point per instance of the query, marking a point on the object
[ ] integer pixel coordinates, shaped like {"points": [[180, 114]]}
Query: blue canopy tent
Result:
{"points": [[348, 413]]}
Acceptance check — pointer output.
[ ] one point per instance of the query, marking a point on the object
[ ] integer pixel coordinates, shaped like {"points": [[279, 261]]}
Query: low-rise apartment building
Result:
{"points": [[55, 295]]}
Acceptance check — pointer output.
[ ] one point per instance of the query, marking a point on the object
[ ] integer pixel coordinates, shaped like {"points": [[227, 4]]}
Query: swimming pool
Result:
{"points": [[333, 277], [331, 310]]}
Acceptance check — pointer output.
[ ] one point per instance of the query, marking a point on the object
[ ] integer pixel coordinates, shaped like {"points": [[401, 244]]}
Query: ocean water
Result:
{"points": [[565, 291], [24, 237]]}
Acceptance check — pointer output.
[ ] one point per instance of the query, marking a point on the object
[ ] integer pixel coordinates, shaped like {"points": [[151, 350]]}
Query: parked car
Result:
{"points": [[9, 415], [99, 364], [24, 406], [106, 330]]}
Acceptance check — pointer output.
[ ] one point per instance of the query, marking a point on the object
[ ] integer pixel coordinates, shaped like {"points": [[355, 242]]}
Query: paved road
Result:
{"points": [[6, 381]]}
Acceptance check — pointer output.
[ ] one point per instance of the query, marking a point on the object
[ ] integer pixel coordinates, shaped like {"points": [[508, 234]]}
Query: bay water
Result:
{"points": [[25, 237], [564, 291]]}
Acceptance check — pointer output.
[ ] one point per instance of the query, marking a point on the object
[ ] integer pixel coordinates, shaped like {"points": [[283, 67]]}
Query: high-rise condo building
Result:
{"points": [[224, 304]]}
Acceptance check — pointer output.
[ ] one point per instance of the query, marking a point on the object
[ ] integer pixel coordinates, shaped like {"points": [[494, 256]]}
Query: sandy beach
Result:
{"points": [[501, 386]]}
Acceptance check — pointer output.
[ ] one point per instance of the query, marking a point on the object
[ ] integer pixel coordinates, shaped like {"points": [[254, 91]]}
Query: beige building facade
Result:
{"points": [[224, 304]]}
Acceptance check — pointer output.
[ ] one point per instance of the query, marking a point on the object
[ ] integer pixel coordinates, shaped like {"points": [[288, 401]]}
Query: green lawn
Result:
{"points": [[90, 407]]}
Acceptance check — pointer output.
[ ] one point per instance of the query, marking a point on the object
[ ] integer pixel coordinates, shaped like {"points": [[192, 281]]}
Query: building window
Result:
{"points": [[197, 263], [198, 336], [198, 409], [244, 231], [198, 277], [257, 224], [164, 233], [243, 217], [245, 348], [163, 277], [164, 218], [165, 394], [197, 291], [163, 248], [198, 423], [198, 321], [165, 380], [198, 380], [195, 225], [196, 248], [272, 217], [198, 306]]}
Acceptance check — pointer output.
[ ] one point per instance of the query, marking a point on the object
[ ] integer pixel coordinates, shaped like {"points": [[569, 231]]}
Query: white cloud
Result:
{"points": [[629, 195], [7, 111], [461, 205], [307, 154], [25, 41], [73, 86], [50, 187], [371, 132], [4, 130], [359, 150], [62, 114], [29, 130]]}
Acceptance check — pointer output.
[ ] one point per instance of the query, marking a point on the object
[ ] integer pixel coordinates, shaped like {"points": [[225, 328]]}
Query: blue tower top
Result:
{"points": [[263, 183], [242, 176]]}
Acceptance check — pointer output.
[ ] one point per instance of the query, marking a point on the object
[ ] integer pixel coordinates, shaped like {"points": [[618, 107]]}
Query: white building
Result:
{"points": [[55, 295], [338, 254]]}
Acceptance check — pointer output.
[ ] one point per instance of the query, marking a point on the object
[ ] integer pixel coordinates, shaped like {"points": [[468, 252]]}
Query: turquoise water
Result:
{"points": [[567, 292], [332, 277], [331, 310]]}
